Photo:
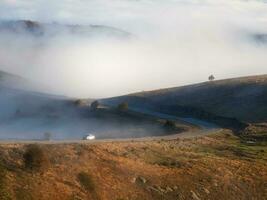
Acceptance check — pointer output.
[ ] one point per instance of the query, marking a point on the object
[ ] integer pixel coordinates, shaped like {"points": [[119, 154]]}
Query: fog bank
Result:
{"points": [[172, 43]]}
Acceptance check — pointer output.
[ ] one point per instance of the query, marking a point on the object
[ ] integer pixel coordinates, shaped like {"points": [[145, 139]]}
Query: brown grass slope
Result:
{"points": [[243, 98], [219, 166]]}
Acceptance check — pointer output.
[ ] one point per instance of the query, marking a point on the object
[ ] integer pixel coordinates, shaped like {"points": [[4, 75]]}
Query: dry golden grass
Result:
{"points": [[219, 166]]}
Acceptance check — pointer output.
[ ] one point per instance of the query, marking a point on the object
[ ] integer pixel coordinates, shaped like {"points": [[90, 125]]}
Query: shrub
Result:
{"points": [[35, 158], [94, 105], [123, 106], [86, 181], [169, 124]]}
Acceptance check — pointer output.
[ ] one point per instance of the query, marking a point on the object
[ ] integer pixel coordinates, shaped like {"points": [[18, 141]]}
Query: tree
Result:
{"points": [[94, 105], [211, 78], [123, 106]]}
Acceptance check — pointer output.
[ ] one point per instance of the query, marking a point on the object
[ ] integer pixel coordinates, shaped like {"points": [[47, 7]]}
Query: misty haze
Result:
{"points": [[98, 48], [133, 99]]}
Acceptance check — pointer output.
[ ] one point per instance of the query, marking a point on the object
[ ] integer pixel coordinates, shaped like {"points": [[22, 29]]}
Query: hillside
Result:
{"points": [[241, 98], [216, 165], [219, 166]]}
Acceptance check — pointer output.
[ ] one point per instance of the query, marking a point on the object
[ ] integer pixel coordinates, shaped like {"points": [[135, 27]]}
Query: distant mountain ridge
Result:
{"points": [[39, 29]]}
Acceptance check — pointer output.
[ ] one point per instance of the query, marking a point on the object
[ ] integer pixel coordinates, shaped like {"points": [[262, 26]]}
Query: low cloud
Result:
{"points": [[173, 43]]}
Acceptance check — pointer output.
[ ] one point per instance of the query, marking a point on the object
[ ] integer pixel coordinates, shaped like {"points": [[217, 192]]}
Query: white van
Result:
{"points": [[89, 137]]}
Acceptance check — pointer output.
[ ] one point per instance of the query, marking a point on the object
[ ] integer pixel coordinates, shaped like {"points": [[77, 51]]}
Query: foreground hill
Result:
{"points": [[220, 166], [241, 98]]}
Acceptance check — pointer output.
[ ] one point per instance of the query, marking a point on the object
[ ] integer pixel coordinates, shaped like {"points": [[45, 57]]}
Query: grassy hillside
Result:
{"points": [[242, 98], [220, 166]]}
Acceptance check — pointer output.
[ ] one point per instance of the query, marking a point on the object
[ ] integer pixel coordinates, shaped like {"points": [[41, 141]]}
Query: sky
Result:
{"points": [[175, 42]]}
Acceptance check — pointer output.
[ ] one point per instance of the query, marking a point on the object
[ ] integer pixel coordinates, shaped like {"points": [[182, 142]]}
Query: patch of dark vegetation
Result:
{"points": [[36, 158], [190, 111], [170, 125], [4, 193], [86, 181]]}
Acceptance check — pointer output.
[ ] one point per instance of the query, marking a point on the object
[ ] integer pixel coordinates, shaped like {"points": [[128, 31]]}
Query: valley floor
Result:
{"points": [[215, 166]]}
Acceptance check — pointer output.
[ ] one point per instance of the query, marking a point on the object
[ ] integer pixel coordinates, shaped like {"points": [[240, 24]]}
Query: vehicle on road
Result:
{"points": [[89, 137]]}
